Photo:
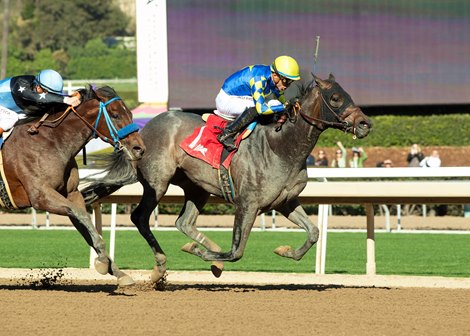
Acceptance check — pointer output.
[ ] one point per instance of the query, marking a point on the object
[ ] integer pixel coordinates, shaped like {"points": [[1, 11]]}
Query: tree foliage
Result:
{"points": [[48, 33]]}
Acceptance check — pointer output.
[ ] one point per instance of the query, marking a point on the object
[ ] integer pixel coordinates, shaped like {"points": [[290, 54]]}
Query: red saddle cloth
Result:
{"points": [[203, 143]]}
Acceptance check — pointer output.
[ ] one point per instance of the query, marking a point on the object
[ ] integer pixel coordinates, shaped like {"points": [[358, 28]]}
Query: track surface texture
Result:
{"points": [[77, 301]]}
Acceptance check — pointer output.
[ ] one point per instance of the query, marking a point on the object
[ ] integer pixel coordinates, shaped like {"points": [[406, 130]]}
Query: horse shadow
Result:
{"points": [[142, 287]]}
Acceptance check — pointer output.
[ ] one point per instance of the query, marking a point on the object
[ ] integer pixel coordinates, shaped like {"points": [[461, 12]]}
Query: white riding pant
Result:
{"points": [[230, 107], [8, 118]]}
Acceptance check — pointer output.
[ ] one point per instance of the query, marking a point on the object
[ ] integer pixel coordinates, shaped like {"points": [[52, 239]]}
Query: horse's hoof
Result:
{"points": [[189, 247], [101, 267], [283, 251], [156, 274], [217, 268], [125, 280]]}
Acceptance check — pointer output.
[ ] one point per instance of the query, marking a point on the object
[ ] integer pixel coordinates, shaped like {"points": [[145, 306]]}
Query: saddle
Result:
{"points": [[203, 144]]}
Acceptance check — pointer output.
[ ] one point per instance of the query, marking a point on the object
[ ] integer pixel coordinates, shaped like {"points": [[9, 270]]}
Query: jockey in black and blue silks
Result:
{"points": [[21, 95], [243, 94]]}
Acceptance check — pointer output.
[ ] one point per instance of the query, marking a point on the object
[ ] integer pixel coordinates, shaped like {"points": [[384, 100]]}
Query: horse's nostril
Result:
{"points": [[364, 124], [138, 150]]}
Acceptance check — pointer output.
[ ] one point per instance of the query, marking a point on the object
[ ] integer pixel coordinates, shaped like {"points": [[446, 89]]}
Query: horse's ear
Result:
{"points": [[320, 82], [332, 78], [91, 89]]}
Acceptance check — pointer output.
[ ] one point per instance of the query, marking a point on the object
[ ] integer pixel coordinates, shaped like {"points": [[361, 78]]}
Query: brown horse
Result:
{"points": [[39, 167], [268, 171]]}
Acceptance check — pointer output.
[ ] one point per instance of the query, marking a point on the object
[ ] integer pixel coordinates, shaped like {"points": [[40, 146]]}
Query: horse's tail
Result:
{"points": [[118, 171]]}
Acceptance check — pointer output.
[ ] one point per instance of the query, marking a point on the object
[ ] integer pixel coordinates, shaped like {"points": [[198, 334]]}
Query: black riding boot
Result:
{"points": [[244, 119]]}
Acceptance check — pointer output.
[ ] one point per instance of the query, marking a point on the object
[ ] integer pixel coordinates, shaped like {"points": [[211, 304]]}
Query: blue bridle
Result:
{"points": [[116, 135]]}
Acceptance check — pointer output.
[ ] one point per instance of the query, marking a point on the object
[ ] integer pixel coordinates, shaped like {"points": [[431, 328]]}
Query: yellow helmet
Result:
{"points": [[287, 67]]}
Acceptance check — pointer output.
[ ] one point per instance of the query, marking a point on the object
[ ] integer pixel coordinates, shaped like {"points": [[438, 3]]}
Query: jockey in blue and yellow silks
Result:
{"points": [[243, 94]]}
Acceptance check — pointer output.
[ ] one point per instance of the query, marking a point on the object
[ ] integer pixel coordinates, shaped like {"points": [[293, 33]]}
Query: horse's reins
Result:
{"points": [[116, 135]]}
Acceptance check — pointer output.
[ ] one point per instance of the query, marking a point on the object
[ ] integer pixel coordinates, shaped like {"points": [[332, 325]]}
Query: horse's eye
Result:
{"points": [[336, 100], [115, 115]]}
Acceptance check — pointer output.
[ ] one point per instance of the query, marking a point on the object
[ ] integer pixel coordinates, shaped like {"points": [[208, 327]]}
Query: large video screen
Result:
{"points": [[382, 52]]}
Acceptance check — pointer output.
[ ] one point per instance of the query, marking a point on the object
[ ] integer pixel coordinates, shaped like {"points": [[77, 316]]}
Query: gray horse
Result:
{"points": [[268, 172]]}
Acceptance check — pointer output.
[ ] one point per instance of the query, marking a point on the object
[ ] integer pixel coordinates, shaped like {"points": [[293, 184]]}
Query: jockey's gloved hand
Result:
{"points": [[74, 100], [293, 101]]}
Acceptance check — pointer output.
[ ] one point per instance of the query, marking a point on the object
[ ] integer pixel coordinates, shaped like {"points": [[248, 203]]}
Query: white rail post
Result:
{"points": [[398, 217], [320, 240], [273, 219], [112, 233], [34, 219], [262, 222], [370, 267]]}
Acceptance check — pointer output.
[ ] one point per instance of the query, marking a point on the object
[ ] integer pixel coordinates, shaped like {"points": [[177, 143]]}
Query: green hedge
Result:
{"points": [[402, 131]]}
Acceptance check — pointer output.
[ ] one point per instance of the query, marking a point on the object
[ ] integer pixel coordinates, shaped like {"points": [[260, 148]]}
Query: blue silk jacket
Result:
{"points": [[255, 81]]}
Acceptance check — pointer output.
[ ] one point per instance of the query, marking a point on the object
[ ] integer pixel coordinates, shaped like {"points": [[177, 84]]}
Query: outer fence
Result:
{"points": [[346, 186]]}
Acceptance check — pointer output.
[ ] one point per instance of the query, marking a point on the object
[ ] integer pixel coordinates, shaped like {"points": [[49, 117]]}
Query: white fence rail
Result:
{"points": [[348, 186], [71, 85]]}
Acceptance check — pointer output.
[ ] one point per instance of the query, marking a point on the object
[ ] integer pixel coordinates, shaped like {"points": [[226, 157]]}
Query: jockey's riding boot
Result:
{"points": [[243, 120]]}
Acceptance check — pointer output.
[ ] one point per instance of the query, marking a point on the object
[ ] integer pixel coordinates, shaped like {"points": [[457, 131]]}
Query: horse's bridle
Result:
{"points": [[338, 113], [116, 135]]}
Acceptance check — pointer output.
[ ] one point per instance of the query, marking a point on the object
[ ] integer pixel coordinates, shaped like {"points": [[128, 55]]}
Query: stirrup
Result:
{"points": [[227, 140]]}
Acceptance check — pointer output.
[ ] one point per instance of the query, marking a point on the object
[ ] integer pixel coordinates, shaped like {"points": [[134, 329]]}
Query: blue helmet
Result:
{"points": [[50, 80]]}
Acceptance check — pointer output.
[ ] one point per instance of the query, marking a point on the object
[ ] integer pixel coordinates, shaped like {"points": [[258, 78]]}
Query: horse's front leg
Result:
{"points": [[140, 217], [195, 199], [296, 214], [245, 216], [74, 208]]}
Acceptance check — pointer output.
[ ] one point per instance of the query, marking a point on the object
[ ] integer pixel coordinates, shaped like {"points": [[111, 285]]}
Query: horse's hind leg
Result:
{"points": [[103, 263], [296, 214], [74, 208], [195, 199], [140, 217]]}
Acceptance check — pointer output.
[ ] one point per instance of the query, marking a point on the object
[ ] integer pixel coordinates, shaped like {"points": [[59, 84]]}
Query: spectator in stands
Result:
{"points": [[415, 156], [322, 159], [358, 158], [432, 161], [340, 156]]}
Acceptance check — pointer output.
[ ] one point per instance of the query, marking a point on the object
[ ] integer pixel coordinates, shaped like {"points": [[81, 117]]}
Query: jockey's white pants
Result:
{"points": [[230, 107], [8, 118]]}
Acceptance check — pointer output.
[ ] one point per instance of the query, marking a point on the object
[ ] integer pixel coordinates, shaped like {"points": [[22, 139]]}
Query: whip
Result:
{"points": [[315, 56]]}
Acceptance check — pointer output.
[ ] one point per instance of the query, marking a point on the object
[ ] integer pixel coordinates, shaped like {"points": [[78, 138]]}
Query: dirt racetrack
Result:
{"points": [[272, 305]]}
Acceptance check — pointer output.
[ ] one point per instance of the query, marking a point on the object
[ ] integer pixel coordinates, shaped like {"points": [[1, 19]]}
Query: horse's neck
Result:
{"points": [[67, 137], [295, 140]]}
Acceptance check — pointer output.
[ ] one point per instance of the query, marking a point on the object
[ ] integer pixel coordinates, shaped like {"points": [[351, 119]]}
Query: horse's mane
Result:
{"points": [[86, 94]]}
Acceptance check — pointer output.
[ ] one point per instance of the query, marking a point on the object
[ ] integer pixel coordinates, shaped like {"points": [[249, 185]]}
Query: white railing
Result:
{"points": [[74, 84], [339, 186], [348, 186]]}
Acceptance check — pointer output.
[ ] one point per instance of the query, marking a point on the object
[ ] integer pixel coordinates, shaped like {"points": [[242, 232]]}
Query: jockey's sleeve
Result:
{"points": [[257, 86], [22, 90]]}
